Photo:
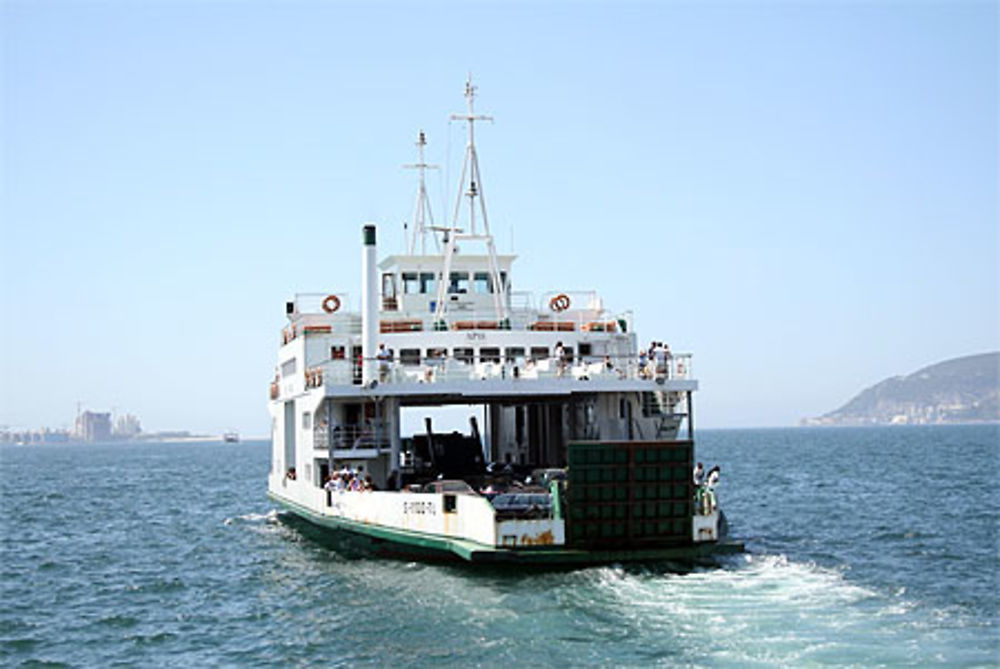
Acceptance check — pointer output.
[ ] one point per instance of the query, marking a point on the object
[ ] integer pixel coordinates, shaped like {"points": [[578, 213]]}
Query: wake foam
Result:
{"points": [[766, 609], [270, 518]]}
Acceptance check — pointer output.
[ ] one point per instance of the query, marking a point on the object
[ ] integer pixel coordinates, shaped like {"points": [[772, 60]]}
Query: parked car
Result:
{"points": [[526, 505], [455, 486]]}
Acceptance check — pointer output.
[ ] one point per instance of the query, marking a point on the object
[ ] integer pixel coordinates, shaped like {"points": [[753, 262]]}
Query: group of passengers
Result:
{"points": [[704, 494], [349, 480], [654, 362]]}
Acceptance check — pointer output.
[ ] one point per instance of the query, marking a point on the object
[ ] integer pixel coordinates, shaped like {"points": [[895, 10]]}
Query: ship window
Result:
{"points": [[437, 354], [568, 353], [427, 282], [489, 355], [513, 353], [458, 282], [410, 283], [465, 354], [539, 352], [388, 285], [482, 283], [503, 281], [288, 368], [409, 356], [307, 420], [450, 504], [337, 353]]}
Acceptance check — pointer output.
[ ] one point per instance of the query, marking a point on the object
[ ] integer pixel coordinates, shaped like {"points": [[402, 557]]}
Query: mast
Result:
{"points": [[471, 188], [422, 209]]}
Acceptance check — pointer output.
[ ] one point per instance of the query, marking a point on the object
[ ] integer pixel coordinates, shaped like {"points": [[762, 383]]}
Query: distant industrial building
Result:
{"points": [[93, 426], [127, 427], [42, 436]]}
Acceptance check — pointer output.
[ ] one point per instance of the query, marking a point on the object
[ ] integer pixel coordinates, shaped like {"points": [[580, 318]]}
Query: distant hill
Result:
{"points": [[962, 390]]}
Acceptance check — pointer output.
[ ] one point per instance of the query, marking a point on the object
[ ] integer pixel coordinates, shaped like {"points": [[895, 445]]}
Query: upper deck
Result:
{"points": [[530, 345]]}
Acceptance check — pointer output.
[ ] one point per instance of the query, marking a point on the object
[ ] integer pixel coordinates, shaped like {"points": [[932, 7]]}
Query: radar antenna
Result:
{"points": [[422, 209], [472, 188]]}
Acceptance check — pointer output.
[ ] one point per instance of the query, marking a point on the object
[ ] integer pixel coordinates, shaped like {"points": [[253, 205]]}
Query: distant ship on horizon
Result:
{"points": [[231, 437]]}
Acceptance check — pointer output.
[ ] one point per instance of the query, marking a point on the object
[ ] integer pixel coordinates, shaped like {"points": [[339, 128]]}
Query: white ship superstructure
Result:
{"points": [[581, 447]]}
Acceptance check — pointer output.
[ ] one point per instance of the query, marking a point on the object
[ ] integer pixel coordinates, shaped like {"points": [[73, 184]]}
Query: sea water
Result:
{"points": [[865, 546]]}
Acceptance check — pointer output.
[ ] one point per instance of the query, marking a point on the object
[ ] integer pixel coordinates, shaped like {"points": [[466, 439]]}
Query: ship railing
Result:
{"points": [[306, 304], [449, 369], [320, 323], [524, 319], [351, 437], [580, 311]]}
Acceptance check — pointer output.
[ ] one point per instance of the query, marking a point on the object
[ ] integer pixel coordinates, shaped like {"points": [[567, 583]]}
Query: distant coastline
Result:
{"points": [[960, 391], [51, 438]]}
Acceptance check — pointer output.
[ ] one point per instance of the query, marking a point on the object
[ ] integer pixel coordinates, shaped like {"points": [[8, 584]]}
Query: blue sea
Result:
{"points": [[865, 547]]}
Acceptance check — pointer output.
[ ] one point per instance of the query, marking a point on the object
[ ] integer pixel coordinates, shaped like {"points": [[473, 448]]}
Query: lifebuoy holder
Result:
{"points": [[560, 302], [331, 303]]}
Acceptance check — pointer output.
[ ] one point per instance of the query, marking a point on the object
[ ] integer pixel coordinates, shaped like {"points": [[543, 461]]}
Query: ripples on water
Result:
{"points": [[867, 546]]}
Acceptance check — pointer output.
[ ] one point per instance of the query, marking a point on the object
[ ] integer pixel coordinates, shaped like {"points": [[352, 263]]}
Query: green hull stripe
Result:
{"points": [[461, 547], [472, 551]]}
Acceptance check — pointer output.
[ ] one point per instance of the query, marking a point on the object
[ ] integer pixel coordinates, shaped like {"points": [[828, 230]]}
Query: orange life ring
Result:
{"points": [[560, 302], [331, 304]]}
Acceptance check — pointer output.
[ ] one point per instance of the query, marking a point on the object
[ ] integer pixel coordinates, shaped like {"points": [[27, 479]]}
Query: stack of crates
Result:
{"points": [[629, 494]]}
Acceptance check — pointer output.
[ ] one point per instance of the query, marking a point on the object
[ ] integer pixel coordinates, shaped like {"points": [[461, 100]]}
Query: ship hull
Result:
{"points": [[358, 539]]}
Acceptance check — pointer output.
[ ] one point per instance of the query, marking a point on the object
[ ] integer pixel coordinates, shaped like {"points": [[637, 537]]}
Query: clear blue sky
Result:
{"points": [[805, 196]]}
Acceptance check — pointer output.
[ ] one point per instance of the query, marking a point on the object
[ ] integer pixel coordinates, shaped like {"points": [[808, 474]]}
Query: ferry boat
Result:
{"points": [[580, 449]]}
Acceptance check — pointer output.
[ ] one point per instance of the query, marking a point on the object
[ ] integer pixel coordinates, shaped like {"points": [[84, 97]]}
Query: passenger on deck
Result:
{"points": [[710, 483], [560, 353], [660, 357], [643, 364], [713, 477], [699, 474], [384, 357]]}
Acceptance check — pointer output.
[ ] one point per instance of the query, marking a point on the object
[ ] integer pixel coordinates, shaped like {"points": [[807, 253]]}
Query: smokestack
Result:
{"points": [[369, 305]]}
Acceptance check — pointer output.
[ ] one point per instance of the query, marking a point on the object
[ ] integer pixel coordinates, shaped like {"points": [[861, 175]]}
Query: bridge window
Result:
{"points": [[389, 285], [482, 283], [427, 282], [410, 283], [458, 282]]}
